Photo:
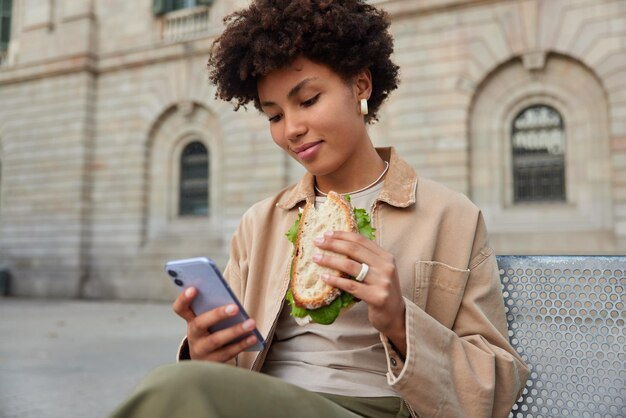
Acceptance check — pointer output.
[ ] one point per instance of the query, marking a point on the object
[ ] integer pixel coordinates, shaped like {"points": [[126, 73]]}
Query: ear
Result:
{"points": [[363, 84]]}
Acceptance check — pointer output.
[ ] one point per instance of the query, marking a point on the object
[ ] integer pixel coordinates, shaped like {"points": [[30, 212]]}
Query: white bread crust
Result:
{"points": [[307, 288]]}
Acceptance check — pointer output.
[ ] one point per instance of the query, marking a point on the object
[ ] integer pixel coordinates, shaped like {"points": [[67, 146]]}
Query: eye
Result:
{"points": [[311, 101], [276, 118]]}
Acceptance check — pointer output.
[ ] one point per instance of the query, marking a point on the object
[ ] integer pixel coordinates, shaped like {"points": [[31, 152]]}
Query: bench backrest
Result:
{"points": [[566, 320]]}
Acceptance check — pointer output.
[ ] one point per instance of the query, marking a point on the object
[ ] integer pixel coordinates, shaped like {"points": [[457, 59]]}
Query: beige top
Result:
{"points": [[345, 358]]}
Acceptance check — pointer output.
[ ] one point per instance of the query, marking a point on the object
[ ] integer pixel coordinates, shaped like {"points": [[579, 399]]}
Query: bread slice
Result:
{"points": [[335, 214]]}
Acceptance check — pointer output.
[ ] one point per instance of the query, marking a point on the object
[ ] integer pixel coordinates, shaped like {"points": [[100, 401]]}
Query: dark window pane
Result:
{"points": [[194, 180], [182, 4], [163, 6], [5, 7], [159, 7], [5, 30], [538, 146], [5, 23], [178, 4]]}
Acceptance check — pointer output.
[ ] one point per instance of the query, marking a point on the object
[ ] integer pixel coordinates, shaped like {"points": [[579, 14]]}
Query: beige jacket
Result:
{"points": [[459, 362]]}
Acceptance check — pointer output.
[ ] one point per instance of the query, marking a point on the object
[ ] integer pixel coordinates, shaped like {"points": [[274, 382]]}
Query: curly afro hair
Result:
{"points": [[347, 36]]}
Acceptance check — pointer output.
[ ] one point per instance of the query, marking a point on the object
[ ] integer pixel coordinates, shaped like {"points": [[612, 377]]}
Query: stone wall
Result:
{"points": [[453, 53], [96, 104], [44, 189]]}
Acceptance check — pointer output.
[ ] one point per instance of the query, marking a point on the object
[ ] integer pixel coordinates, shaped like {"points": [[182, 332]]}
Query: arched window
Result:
{"points": [[538, 146], [194, 180]]}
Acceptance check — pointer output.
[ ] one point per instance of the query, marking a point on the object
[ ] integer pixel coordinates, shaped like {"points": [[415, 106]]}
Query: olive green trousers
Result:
{"points": [[193, 389]]}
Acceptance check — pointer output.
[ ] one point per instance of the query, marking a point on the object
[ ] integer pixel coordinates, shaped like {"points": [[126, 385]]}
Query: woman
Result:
{"points": [[429, 336]]}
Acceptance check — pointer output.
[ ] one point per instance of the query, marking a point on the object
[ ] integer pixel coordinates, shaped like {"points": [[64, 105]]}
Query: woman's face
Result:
{"points": [[314, 115]]}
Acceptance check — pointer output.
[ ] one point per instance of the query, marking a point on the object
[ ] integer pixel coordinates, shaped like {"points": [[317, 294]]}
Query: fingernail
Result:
{"points": [[251, 339], [231, 309], [319, 240], [317, 257], [189, 292], [325, 277], [328, 233], [248, 324]]}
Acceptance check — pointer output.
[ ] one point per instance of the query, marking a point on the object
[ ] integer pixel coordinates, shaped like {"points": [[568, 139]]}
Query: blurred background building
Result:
{"points": [[115, 156]]}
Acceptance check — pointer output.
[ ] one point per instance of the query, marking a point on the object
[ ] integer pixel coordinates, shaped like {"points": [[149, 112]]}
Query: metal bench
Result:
{"points": [[566, 320]]}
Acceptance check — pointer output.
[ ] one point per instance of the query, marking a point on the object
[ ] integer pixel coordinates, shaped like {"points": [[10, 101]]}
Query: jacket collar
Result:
{"points": [[398, 190]]}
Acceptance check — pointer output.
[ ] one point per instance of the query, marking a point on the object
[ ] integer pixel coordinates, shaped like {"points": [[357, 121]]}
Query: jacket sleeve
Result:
{"points": [[470, 369]]}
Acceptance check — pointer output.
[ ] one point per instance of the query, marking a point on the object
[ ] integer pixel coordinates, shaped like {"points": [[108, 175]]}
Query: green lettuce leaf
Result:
{"points": [[364, 223], [295, 310], [326, 315], [292, 234], [347, 299]]}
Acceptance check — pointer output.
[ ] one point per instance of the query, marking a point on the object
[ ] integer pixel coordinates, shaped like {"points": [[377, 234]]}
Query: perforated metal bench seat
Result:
{"points": [[566, 320]]}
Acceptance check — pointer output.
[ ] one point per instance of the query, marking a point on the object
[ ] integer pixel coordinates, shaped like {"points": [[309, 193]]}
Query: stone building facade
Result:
{"points": [[100, 99]]}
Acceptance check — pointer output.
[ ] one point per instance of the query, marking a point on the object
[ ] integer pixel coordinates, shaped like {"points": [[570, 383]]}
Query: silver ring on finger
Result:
{"points": [[364, 270]]}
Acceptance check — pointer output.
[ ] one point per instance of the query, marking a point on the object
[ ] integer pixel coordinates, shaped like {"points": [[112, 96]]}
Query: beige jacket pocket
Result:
{"points": [[439, 290]]}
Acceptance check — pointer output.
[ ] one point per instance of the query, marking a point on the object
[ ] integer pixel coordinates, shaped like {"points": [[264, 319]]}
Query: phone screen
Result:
{"points": [[213, 292]]}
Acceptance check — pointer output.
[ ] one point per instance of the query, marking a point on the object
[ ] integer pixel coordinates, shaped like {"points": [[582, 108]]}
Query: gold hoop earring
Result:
{"points": [[364, 109]]}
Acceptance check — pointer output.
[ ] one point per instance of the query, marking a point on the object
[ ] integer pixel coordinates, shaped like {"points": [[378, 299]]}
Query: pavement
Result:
{"points": [[79, 359]]}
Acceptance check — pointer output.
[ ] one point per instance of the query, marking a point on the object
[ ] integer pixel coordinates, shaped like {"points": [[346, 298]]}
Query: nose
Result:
{"points": [[295, 127]]}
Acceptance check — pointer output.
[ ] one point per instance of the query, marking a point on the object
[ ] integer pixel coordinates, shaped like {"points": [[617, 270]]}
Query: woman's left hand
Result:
{"points": [[380, 289]]}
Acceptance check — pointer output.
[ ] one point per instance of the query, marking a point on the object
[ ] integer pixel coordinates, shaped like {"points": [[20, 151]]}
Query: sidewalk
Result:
{"points": [[79, 359]]}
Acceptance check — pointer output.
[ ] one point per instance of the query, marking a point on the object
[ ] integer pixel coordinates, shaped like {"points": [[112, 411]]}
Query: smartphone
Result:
{"points": [[213, 291]]}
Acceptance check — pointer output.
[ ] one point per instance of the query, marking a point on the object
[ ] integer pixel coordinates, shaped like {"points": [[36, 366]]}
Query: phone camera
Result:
{"points": [[178, 282], [172, 273]]}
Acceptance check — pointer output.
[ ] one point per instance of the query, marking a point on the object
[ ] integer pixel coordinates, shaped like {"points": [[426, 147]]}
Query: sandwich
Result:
{"points": [[309, 297]]}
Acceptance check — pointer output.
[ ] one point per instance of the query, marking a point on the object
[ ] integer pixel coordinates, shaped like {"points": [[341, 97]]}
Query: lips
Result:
{"points": [[305, 147], [307, 151]]}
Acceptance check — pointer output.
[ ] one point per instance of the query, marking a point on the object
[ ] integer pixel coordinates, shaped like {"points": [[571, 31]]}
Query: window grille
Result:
{"points": [[538, 147], [194, 180]]}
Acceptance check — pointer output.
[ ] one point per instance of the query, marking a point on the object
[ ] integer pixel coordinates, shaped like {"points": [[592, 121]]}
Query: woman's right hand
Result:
{"points": [[204, 345]]}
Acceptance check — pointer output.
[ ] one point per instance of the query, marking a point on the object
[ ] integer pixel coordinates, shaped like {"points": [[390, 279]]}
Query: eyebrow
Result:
{"points": [[293, 91]]}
